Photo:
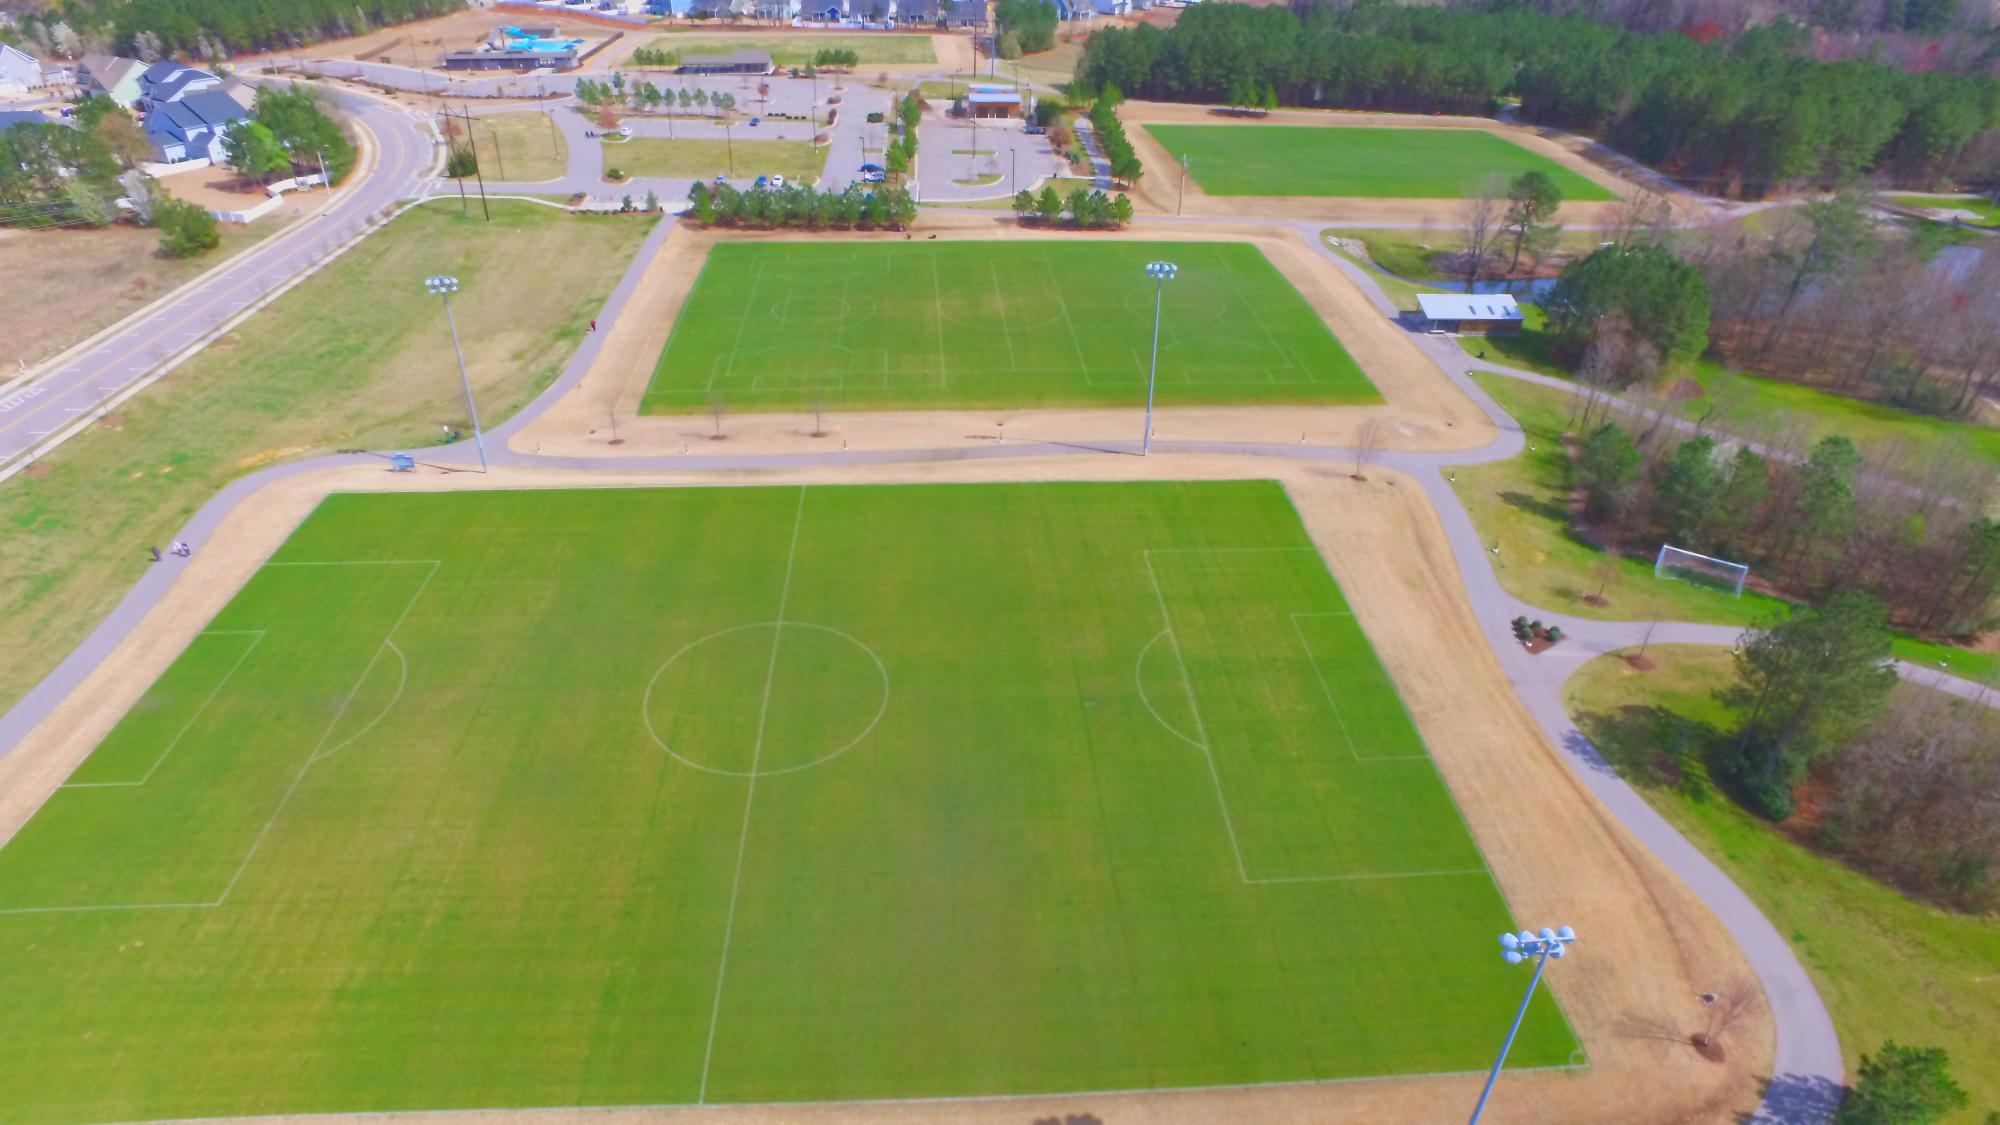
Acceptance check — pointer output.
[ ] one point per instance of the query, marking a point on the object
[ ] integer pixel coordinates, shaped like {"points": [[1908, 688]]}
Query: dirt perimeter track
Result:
{"points": [[1650, 946]]}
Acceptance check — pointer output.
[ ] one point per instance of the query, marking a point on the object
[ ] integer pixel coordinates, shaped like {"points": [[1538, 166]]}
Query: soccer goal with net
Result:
{"points": [[1688, 566]]}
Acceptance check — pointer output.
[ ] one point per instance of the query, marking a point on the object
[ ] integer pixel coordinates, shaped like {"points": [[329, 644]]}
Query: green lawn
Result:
{"points": [[1300, 160], [650, 156], [1521, 506], [797, 50], [1755, 405], [935, 325], [1986, 209], [755, 795], [356, 356], [1888, 967], [1415, 254]]}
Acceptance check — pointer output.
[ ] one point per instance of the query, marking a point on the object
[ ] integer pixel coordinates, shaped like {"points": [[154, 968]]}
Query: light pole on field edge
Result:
{"points": [[1182, 197], [1517, 948], [1161, 273], [444, 287]]}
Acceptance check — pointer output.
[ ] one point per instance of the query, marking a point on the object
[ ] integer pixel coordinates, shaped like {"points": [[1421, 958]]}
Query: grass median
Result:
{"points": [[356, 356], [652, 157]]}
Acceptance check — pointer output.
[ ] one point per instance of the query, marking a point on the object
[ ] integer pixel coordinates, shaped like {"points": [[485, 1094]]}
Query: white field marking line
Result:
{"points": [[749, 796], [1201, 728], [749, 302], [257, 636], [1441, 872], [1000, 295], [1138, 680], [402, 681], [937, 292], [339, 713], [1250, 309], [299, 777], [1062, 302], [1320, 674], [933, 1099]]}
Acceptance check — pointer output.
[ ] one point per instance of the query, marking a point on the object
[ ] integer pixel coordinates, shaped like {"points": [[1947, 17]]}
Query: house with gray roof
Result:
{"points": [[21, 72], [168, 81], [194, 126], [113, 77]]}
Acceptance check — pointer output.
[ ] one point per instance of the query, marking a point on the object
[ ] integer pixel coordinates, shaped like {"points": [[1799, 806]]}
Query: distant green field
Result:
{"points": [[797, 50], [1987, 211], [756, 794], [1416, 163], [936, 325]]}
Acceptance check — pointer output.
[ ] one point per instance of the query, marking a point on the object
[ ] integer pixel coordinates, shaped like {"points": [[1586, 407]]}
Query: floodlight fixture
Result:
{"points": [[1542, 945]]}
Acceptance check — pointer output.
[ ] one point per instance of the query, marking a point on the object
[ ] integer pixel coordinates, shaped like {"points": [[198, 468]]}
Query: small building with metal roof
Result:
{"points": [[1479, 314]]}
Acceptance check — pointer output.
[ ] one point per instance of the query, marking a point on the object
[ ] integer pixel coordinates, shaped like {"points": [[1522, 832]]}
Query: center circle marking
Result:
{"points": [[690, 650]]}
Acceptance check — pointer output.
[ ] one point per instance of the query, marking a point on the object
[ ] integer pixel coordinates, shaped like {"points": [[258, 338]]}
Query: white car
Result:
{"points": [[777, 181]]}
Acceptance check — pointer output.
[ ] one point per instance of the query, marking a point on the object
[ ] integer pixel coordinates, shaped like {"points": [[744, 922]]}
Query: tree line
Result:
{"points": [[1826, 296], [1087, 209], [887, 207], [1111, 137], [1030, 24], [1745, 115], [215, 29]]}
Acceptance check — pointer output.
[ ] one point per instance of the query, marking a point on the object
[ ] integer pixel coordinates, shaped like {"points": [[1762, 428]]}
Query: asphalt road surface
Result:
{"points": [[52, 400]]}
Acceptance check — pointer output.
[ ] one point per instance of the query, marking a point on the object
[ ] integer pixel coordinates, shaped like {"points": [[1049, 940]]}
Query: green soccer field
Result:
{"points": [[1383, 163], [756, 794], [939, 325]]}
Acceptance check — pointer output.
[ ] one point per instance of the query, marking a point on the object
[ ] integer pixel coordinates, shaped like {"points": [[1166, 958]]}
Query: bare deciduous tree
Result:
{"points": [[1367, 443], [1480, 213]]}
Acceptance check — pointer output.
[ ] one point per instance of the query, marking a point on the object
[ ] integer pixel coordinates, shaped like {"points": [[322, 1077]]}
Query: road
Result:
{"points": [[1808, 1070], [66, 393]]}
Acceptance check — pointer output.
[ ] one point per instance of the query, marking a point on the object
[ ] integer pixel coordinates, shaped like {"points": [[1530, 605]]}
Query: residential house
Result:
{"points": [[21, 72], [194, 126], [924, 12], [112, 77], [1075, 9], [1113, 7], [12, 117], [168, 81], [966, 13]]}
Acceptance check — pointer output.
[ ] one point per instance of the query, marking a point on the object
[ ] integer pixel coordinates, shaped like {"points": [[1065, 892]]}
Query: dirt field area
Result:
{"points": [[63, 285], [1634, 1007], [1158, 191], [1423, 410]]}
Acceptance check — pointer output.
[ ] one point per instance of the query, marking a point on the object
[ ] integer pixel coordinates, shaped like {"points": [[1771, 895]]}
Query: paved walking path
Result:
{"points": [[1808, 1070]]}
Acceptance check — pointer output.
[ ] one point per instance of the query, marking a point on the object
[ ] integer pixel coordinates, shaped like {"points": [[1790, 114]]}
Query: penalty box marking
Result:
{"points": [[1208, 750], [319, 750]]}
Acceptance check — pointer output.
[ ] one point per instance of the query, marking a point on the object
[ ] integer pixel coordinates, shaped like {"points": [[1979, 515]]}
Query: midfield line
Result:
{"points": [[743, 837]]}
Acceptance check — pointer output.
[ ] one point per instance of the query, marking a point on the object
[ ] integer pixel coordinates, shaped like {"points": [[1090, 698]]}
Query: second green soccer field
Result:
{"points": [[959, 325], [756, 794], [1310, 160]]}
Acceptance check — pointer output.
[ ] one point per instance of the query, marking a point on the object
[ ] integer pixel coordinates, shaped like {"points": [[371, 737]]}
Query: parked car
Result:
{"points": [[1033, 130], [762, 181], [624, 131], [721, 179], [777, 181], [754, 121], [873, 173]]}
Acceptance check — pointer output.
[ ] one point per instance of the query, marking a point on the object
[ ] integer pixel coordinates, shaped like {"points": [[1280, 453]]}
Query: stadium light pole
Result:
{"points": [[444, 287], [1161, 273], [1517, 948]]}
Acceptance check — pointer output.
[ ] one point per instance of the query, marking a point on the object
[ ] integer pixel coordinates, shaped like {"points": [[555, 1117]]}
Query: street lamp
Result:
{"points": [[1161, 273], [1516, 948], [444, 287]]}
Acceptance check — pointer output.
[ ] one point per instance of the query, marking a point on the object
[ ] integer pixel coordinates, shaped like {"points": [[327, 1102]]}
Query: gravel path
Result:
{"points": [[1808, 1070]]}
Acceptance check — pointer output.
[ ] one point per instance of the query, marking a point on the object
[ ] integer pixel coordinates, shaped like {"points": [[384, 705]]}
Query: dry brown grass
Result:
{"points": [[64, 285]]}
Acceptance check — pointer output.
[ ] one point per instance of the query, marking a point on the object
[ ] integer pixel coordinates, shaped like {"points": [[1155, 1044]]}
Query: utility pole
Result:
{"points": [[729, 142], [323, 177], [473, 138], [1182, 197]]}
